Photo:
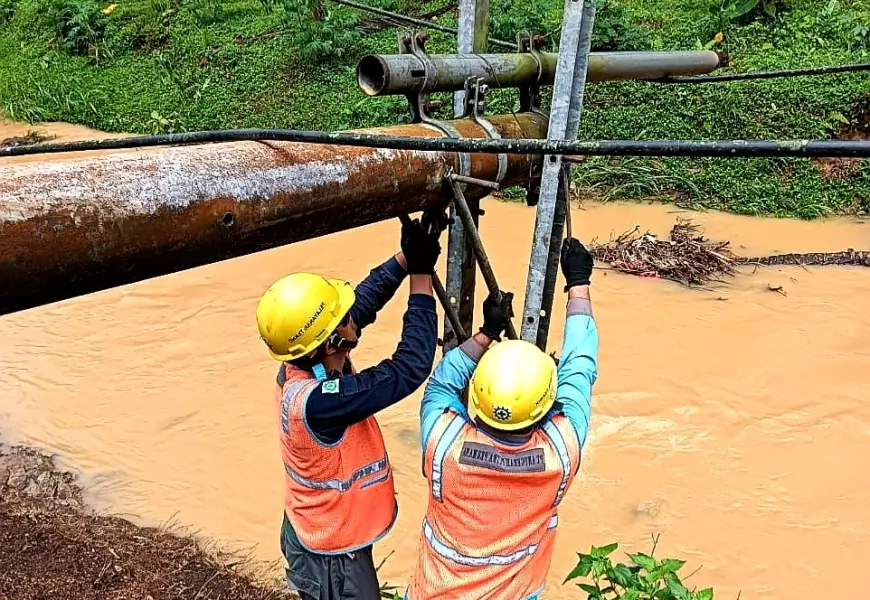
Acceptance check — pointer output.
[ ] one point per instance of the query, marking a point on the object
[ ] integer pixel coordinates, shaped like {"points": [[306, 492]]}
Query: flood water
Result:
{"points": [[734, 422]]}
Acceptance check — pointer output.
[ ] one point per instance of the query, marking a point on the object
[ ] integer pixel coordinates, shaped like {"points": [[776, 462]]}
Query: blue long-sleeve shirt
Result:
{"points": [[577, 372], [351, 398]]}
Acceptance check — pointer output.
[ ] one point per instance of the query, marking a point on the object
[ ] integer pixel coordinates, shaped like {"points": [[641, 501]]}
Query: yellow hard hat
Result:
{"points": [[513, 386], [298, 312]]}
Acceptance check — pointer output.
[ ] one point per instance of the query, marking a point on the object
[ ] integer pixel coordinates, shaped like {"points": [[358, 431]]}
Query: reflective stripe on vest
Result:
{"points": [[480, 561], [289, 392], [338, 497], [445, 441], [490, 524], [562, 451], [342, 486]]}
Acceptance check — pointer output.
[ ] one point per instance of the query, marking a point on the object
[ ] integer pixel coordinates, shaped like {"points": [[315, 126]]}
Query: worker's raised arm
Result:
{"points": [[578, 366], [343, 401], [378, 288], [448, 382]]}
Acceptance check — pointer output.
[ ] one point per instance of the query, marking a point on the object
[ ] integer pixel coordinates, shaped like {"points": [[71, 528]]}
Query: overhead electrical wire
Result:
{"points": [[693, 148], [418, 22], [811, 71]]}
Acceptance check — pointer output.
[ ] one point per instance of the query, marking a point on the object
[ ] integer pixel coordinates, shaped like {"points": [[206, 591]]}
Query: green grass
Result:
{"points": [[175, 65]]}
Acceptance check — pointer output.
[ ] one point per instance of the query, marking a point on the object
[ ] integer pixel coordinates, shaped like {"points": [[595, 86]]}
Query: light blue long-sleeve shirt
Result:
{"points": [[577, 372]]}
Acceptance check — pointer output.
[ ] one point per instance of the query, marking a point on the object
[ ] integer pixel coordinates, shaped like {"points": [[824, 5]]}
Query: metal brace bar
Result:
{"points": [[474, 181], [471, 38], [562, 214], [464, 212], [442, 296], [563, 92]]}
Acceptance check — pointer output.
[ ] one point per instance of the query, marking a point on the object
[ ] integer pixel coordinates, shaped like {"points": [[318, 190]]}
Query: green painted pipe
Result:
{"points": [[403, 74]]}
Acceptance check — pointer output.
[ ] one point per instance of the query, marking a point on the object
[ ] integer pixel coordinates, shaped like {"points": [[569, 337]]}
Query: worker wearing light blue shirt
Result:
{"points": [[496, 480]]}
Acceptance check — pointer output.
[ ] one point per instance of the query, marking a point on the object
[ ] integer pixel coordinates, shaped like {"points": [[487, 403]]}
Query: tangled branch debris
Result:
{"points": [[28, 139], [686, 256], [691, 259]]}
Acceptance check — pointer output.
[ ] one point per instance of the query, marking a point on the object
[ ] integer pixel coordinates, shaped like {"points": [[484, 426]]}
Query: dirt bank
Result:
{"points": [[51, 546]]}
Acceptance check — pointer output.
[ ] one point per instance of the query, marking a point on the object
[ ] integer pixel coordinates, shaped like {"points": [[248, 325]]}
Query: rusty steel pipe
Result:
{"points": [[384, 75], [77, 226]]}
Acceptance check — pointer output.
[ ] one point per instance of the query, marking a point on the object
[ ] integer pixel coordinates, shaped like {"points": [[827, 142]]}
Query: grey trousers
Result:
{"points": [[325, 576]]}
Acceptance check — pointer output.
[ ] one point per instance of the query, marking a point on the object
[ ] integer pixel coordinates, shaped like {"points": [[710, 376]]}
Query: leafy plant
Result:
{"points": [[615, 30], [7, 11], [510, 17], [646, 578], [79, 24], [142, 26], [322, 35], [856, 23], [740, 10], [207, 12], [388, 591], [270, 6]]}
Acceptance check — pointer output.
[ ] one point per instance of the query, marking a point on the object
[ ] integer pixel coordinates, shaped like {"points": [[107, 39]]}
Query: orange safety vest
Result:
{"points": [[492, 515], [338, 497]]}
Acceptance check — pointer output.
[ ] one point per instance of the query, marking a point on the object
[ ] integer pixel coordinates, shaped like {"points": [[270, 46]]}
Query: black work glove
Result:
{"points": [[576, 263], [420, 247], [497, 312]]}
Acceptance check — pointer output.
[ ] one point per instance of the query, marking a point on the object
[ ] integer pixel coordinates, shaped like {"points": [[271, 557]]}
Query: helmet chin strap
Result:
{"points": [[339, 343]]}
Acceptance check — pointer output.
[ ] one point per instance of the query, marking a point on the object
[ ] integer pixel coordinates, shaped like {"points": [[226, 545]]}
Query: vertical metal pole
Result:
{"points": [[461, 268], [563, 200], [569, 48]]}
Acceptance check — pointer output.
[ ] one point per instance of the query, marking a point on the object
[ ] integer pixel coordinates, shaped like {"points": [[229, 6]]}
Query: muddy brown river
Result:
{"points": [[734, 422]]}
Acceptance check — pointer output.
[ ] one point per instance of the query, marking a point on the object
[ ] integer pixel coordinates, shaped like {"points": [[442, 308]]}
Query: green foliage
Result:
{"points": [[734, 10], [7, 10], [509, 17], [645, 578], [141, 26], [616, 30], [207, 12], [320, 34], [270, 6], [79, 25]]}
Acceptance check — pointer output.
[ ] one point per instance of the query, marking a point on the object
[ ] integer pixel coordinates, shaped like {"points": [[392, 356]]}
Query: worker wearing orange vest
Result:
{"points": [[339, 494], [496, 481]]}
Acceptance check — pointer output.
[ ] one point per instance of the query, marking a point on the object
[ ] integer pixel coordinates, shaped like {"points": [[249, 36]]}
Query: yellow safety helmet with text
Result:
{"points": [[298, 312], [513, 386]]}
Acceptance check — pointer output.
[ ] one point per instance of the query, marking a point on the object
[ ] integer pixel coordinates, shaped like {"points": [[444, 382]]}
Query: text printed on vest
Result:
{"points": [[488, 457]]}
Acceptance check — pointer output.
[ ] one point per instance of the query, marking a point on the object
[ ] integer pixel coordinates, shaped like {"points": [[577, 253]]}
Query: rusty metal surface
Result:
{"points": [[76, 226]]}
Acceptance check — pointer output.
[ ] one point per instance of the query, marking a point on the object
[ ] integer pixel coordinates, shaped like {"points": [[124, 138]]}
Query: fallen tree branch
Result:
{"points": [[691, 259], [814, 259]]}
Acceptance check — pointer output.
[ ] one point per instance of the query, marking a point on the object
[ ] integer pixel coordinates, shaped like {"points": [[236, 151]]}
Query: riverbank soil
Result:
{"points": [[51, 547]]}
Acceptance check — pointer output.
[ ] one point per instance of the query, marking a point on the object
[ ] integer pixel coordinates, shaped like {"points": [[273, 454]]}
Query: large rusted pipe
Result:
{"points": [[72, 227], [384, 75]]}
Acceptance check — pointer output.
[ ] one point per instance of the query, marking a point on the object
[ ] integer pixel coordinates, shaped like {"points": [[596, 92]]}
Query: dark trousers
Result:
{"points": [[328, 577]]}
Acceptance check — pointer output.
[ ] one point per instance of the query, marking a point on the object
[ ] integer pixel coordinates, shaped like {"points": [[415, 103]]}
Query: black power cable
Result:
{"points": [[692, 148], [418, 22], [853, 68]]}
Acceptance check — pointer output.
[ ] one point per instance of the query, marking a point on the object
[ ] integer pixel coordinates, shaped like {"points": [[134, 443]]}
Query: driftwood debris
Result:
{"points": [[686, 256], [847, 257], [689, 258]]}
